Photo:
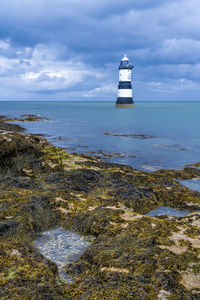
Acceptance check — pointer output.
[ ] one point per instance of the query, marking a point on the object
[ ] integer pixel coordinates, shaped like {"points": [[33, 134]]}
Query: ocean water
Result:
{"points": [[80, 127]]}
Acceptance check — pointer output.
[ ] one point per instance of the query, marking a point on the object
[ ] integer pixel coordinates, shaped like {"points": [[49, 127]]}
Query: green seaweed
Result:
{"points": [[132, 256]]}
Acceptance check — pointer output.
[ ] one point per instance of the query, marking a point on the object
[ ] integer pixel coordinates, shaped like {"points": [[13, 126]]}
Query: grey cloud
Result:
{"points": [[42, 69], [68, 46]]}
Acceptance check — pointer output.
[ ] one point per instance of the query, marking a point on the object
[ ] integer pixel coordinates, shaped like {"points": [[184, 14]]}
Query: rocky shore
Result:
{"points": [[131, 255]]}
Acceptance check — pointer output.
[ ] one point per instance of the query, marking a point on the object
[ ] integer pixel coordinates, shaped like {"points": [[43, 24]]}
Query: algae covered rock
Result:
{"points": [[131, 255], [9, 127], [7, 226]]}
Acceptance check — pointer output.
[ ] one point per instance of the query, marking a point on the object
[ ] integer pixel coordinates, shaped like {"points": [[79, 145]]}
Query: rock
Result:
{"points": [[27, 118], [23, 182], [132, 256], [132, 135], [5, 227]]}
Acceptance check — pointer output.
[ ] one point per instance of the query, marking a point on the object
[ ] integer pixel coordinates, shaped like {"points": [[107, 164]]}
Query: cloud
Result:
{"points": [[4, 45], [108, 89], [41, 69], [73, 47]]}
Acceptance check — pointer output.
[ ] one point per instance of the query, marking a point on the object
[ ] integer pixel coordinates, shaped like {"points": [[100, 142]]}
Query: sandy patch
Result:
{"points": [[190, 280], [130, 216], [163, 295], [15, 252], [59, 199], [63, 210], [117, 270], [174, 249], [90, 208], [112, 207], [176, 238], [124, 225]]}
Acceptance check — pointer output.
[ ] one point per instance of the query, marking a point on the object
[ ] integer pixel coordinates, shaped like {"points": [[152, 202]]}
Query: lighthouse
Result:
{"points": [[125, 98]]}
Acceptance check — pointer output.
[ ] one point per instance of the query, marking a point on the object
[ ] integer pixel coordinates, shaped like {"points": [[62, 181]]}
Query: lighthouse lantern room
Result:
{"points": [[125, 97]]}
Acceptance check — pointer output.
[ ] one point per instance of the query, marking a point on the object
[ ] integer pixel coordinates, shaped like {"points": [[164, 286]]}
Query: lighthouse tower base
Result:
{"points": [[124, 102]]}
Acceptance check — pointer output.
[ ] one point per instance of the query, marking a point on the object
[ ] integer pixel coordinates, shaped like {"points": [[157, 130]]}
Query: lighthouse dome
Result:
{"points": [[125, 58], [125, 64]]}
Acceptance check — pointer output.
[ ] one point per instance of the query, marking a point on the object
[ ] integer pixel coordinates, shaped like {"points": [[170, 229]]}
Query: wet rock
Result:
{"points": [[10, 127], [132, 135], [5, 227], [132, 256], [36, 164], [62, 139], [27, 118], [106, 154], [23, 182]]}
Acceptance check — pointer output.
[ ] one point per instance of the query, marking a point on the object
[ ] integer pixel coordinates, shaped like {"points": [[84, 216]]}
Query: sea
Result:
{"points": [[151, 136]]}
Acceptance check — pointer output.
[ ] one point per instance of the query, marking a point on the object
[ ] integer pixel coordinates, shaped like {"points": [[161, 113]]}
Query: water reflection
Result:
{"points": [[168, 211], [193, 184], [61, 247]]}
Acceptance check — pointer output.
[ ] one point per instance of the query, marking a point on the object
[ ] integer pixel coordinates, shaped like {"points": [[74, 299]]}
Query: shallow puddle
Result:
{"points": [[151, 168], [61, 247], [168, 211], [193, 184]]}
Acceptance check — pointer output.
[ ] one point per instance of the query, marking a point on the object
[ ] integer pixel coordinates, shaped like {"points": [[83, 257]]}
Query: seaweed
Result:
{"points": [[132, 256]]}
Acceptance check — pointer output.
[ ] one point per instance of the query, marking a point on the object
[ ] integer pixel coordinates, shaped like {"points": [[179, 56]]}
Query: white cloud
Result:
{"points": [[172, 86], [41, 69], [105, 90], [180, 49], [4, 45], [161, 38]]}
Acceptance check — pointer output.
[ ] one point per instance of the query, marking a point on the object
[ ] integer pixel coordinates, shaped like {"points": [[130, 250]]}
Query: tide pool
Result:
{"points": [[62, 247]]}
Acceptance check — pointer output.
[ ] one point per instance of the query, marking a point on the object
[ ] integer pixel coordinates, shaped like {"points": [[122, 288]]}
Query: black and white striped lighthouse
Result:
{"points": [[125, 97]]}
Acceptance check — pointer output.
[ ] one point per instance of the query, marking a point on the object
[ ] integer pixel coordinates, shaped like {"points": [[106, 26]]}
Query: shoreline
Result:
{"points": [[132, 255]]}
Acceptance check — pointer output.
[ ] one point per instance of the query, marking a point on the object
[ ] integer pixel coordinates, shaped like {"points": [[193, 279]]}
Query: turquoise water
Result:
{"points": [[80, 126]]}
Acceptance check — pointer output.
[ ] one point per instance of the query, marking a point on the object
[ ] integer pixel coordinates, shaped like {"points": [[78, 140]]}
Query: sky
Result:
{"points": [[71, 49]]}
